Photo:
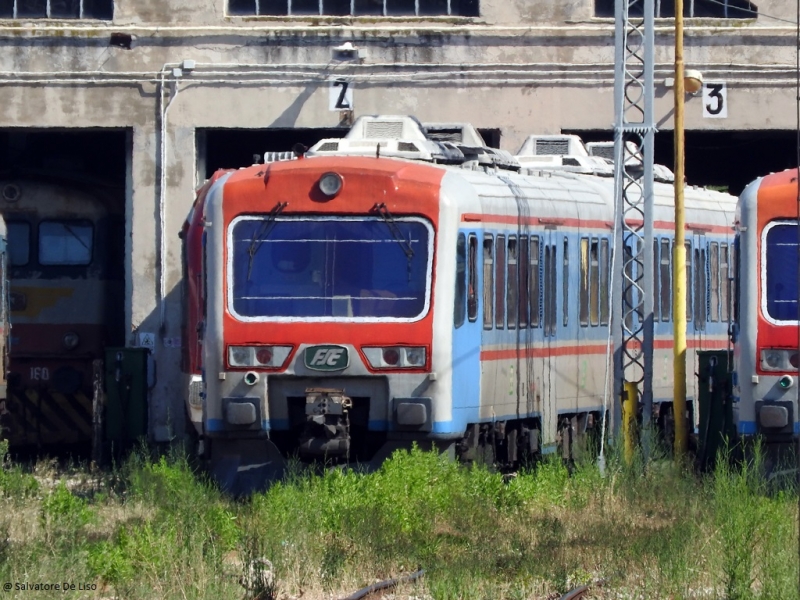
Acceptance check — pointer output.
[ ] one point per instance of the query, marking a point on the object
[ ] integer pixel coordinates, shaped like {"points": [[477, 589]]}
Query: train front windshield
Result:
{"points": [[327, 268], [780, 241]]}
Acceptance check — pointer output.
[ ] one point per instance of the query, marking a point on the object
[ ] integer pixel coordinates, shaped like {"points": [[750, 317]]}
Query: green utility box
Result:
{"points": [[126, 395], [715, 403]]}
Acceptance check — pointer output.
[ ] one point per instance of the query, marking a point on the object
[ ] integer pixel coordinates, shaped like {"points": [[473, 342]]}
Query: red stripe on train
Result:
{"points": [[545, 351]]}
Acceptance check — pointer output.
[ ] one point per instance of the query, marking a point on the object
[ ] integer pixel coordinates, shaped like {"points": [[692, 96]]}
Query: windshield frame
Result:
{"points": [[763, 273], [326, 319]]}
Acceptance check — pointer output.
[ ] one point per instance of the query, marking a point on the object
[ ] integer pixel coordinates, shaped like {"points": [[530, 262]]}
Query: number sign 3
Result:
{"points": [[715, 100]]}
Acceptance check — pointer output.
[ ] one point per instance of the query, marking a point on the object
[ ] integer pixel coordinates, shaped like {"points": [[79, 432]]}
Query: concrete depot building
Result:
{"points": [[81, 87]]}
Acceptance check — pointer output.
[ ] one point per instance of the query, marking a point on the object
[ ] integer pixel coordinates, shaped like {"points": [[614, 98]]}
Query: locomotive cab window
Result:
{"points": [[65, 242], [779, 271], [321, 268], [19, 243]]}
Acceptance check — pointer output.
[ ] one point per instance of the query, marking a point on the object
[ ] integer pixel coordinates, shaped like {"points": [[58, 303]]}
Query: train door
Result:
{"points": [[697, 331], [467, 328], [555, 268]]}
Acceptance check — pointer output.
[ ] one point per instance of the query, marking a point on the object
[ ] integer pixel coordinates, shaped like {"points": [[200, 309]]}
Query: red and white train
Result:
{"points": [[766, 331], [387, 288]]}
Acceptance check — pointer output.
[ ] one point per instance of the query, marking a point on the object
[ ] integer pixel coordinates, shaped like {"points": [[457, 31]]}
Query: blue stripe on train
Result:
{"points": [[749, 428]]}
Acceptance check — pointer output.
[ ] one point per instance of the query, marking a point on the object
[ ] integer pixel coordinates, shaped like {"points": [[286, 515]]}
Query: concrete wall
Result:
{"points": [[522, 67]]}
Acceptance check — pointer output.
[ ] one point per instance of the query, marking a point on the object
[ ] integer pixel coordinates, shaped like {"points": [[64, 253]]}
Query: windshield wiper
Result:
{"points": [[75, 235], [266, 226], [396, 233]]}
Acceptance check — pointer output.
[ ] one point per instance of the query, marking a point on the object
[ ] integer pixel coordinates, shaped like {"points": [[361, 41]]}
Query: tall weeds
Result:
{"points": [[155, 528]]}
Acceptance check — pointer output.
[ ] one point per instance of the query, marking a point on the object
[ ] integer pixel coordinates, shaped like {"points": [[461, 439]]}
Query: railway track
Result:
{"points": [[377, 590]]}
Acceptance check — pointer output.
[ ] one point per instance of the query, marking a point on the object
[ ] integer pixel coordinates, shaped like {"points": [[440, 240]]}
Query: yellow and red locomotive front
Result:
{"points": [[310, 304]]}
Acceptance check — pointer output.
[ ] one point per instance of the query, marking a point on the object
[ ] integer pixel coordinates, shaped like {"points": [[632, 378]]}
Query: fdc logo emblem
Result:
{"points": [[326, 358]]}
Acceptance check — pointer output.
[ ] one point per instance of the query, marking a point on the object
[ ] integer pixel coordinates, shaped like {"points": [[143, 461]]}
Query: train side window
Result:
{"points": [[700, 304], [533, 281], [19, 243], [605, 284], [666, 280], [472, 279], [735, 275], [524, 261], [499, 281], [488, 281], [549, 309], [583, 309], [565, 283], [656, 282], [713, 273], [550, 292], [724, 284], [512, 291], [583, 313], [460, 306], [65, 242], [594, 282], [689, 281]]}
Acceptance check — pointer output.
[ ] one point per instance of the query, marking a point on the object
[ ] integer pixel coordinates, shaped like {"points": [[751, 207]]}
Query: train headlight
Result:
{"points": [[258, 356], [415, 357], [396, 357], [71, 340], [775, 360], [330, 184]]}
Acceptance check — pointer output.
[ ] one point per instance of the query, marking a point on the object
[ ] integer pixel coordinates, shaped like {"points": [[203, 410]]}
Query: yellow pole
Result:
{"points": [[630, 400], [679, 254]]}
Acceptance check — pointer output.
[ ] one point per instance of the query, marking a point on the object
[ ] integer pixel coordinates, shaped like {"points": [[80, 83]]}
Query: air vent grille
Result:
{"points": [[552, 147], [603, 152], [391, 130], [407, 147], [329, 147]]}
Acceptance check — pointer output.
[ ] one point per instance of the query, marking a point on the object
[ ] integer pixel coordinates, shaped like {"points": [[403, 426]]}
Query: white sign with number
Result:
{"points": [[715, 100], [341, 95]]}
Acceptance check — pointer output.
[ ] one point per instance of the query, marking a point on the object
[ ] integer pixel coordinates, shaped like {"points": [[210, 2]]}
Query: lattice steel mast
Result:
{"points": [[633, 177]]}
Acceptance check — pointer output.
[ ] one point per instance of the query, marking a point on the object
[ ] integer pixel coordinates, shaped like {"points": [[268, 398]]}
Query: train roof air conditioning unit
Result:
{"points": [[561, 152], [389, 136]]}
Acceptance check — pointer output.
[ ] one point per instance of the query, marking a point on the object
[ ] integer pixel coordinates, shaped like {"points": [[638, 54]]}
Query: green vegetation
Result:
{"points": [[153, 528]]}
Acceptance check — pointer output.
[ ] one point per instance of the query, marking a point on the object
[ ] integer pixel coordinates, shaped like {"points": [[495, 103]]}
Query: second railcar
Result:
{"points": [[65, 302], [766, 356]]}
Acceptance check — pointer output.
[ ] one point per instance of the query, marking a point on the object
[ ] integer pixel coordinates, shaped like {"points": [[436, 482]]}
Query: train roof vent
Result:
{"points": [[561, 152], [601, 149], [469, 141], [606, 150], [389, 136], [457, 133], [383, 127]]}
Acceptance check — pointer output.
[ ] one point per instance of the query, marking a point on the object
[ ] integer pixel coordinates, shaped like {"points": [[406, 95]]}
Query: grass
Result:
{"points": [[154, 528]]}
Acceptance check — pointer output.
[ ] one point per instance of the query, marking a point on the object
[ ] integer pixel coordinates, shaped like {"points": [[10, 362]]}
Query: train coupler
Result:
{"points": [[327, 427]]}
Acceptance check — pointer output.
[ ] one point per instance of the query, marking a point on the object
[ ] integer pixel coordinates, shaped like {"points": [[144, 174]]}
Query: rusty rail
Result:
{"points": [[382, 585]]}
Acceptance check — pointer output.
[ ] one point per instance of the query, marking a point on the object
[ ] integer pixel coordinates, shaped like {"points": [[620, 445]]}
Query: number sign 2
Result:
{"points": [[341, 95], [715, 100]]}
